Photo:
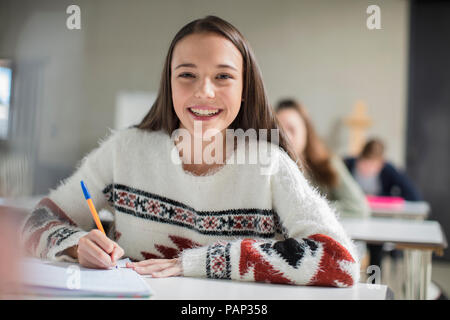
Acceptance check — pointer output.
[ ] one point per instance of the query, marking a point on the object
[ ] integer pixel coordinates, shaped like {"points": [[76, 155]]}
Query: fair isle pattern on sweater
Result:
{"points": [[236, 224], [242, 222]]}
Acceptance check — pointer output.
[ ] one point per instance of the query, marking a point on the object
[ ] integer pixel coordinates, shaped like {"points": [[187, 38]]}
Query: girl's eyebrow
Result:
{"points": [[188, 65], [191, 65], [226, 66]]}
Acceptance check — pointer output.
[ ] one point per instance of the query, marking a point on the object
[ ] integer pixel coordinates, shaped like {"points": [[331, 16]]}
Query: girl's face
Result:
{"points": [[207, 81], [293, 124], [369, 167]]}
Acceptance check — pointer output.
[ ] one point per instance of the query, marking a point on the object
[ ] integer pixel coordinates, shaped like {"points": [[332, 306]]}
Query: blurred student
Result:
{"points": [[378, 177], [325, 170]]}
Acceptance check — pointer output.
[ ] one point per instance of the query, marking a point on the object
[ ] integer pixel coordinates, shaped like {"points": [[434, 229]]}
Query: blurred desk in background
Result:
{"points": [[25, 203], [418, 210], [417, 239]]}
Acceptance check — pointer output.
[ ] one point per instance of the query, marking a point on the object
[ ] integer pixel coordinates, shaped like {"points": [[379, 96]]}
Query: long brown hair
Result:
{"points": [[255, 111], [316, 155]]}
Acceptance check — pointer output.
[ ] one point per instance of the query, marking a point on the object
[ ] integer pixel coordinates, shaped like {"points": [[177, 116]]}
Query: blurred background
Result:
{"points": [[62, 89]]}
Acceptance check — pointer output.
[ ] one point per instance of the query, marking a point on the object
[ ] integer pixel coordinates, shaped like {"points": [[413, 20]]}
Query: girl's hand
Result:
{"points": [[158, 268], [97, 251]]}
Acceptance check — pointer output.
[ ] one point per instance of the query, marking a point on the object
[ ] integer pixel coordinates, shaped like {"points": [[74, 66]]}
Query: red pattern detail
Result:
{"points": [[210, 223], [218, 264], [237, 222], [183, 243], [153, 207], [267, 224], [184, 216], [117, 235], [148, 255], [263, 271], [131, 198], [168, 252], [122, 198], [329, 269]]}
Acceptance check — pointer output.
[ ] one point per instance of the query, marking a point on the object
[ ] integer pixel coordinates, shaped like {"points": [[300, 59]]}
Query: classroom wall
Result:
{"points": [[320, 52], [428, 152]]}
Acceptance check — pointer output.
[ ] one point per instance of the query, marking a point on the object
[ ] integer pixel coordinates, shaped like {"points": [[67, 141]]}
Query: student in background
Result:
{"points": [[378, 177], [325, 170], [202, 219]]}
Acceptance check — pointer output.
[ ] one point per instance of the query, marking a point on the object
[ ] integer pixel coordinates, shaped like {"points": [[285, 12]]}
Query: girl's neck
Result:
{"points": [[200, 155]]}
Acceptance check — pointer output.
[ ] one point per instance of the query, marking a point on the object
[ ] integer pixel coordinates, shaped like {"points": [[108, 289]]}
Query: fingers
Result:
{"points": [[90, 255], [169, 272], [148, 262], [157, 267], [117, 253], [102, 240], [152, 268], [96, 250]]}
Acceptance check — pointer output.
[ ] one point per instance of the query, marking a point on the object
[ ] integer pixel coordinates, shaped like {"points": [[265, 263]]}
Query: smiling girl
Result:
{"points": [[177, 217]]}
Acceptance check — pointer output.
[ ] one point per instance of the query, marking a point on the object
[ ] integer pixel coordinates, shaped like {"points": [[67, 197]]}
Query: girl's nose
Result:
{"points": [[205, 90]]}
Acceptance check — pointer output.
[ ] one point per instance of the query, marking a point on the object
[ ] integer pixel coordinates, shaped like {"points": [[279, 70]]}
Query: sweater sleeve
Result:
{"points": [[347, 197], [316, 249], [63, 217]]}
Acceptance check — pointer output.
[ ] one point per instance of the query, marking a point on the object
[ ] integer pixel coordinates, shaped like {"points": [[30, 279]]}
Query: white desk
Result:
{"points": [[418, 239], [26, 203], [185, 288], [210, 289], [181, 288], [410, 210]]}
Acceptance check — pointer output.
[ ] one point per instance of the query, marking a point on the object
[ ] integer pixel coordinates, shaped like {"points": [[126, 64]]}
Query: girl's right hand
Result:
{"points": [[95, 250]]}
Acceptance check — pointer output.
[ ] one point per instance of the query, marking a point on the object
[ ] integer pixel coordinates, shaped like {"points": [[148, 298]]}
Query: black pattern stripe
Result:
{"points": [[108, 191], [56, 237], [262, 223], [218, 264]]}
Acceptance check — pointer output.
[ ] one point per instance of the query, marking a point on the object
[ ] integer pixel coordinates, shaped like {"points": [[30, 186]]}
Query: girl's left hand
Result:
{"points": [[158, 268]]}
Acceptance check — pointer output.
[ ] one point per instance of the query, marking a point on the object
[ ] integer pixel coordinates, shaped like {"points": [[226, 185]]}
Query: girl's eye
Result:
{"points": [[186, 75], [223, 76]]}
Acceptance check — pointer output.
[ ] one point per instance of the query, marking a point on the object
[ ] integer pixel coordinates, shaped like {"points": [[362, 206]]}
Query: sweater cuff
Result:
{"points": [[60, 239], [194, 262]]}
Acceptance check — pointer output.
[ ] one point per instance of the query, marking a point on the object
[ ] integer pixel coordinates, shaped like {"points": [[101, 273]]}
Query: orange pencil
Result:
{"points": [[92, 208]]}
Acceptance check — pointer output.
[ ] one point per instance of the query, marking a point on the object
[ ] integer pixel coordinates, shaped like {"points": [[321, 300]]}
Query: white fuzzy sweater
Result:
{"points": [[234, 224]]}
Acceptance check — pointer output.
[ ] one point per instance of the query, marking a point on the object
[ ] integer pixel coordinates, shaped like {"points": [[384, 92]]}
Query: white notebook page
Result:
{"points": [[72, 279]]}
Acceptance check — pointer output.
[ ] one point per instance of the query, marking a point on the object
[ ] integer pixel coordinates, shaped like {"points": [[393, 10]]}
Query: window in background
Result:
{"points": [[5, 96]]}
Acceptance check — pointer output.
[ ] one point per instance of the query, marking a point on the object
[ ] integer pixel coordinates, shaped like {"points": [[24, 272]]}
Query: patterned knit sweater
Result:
{"points": [[234, 224]]}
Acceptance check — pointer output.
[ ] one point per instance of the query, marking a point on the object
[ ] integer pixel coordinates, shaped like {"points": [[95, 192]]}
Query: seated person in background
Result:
{"points": [[324, 170], [378, 177]]}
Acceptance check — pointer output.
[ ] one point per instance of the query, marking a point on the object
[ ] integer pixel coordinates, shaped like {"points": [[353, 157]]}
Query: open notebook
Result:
{"points": [[67, 279]]}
